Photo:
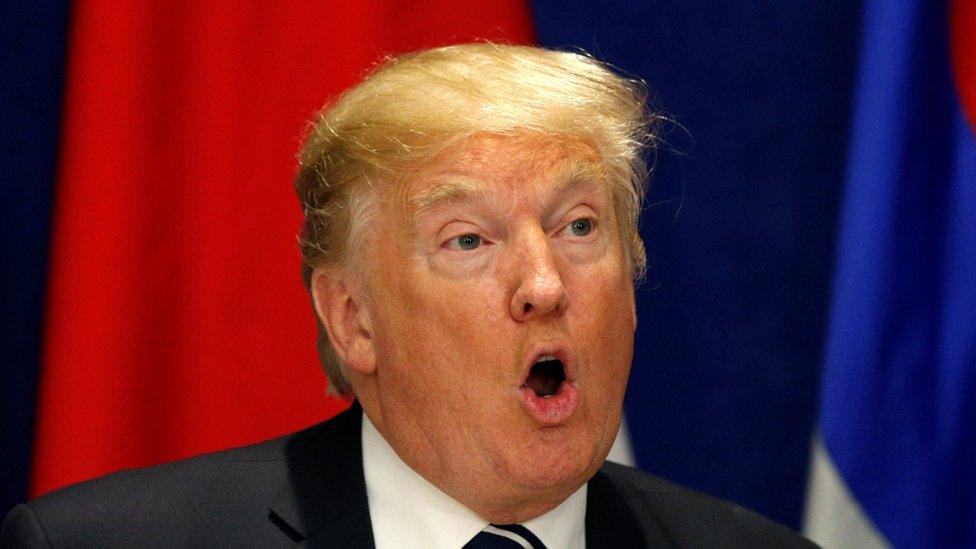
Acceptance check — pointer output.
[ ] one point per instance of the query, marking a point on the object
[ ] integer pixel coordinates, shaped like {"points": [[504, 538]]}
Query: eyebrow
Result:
{"points": [[569, 175], [445, 192], [577, 172]]}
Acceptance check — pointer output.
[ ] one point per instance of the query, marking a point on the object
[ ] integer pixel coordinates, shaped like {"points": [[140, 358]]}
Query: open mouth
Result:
{"points": [[545, 376], [549, 393]]}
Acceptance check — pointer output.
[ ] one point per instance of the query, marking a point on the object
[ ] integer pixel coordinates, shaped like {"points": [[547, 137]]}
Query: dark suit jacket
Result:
{"points": [[308, 488]]}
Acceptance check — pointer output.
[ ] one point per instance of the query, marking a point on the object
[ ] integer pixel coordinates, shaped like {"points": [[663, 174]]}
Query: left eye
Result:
{"points": [[466, 242], [581, 227]]}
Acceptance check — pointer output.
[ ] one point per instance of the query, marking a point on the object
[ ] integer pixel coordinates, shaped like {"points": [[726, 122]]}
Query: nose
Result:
{"points": [[540, 290]]}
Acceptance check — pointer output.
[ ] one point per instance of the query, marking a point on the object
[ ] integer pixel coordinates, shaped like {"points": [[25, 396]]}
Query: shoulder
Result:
{"points": [[221, 497], [172, 502], [673, 515]]}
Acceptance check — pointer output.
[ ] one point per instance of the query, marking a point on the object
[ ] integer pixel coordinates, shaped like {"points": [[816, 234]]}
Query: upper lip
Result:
{"points": [[558, 351]]}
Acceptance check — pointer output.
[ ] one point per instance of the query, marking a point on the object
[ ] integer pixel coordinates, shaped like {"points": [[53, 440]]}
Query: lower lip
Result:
{"points": [[552, 410]]}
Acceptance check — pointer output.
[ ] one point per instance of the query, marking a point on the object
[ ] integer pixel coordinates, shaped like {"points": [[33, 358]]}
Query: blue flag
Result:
{"points": [[898, 409]]}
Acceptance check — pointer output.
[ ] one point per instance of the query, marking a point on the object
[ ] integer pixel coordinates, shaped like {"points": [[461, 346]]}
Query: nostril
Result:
{"points": [[527, 308]]}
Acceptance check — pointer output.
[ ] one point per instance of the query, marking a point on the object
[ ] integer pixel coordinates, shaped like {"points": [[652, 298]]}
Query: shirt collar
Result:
{"points": [[407, 511]]}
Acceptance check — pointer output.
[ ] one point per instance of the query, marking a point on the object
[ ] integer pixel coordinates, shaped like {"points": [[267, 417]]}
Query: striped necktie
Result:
{"points": [[505, 536]]}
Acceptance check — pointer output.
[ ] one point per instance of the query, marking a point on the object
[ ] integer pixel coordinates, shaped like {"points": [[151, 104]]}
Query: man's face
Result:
{"points": [[502, 314]]}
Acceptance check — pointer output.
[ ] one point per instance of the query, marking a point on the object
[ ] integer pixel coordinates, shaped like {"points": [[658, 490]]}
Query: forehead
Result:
{"points": [[500, 153], [487, 166]]}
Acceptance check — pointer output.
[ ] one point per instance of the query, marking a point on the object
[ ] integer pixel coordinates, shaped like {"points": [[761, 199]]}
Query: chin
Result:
{"points": [[554, 461]]}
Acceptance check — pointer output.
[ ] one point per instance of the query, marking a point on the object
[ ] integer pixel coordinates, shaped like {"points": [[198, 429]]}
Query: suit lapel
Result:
{"points": [[325, 502], [613, 523]]}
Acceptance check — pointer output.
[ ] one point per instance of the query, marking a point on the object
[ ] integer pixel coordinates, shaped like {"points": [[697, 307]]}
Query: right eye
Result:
{"points": [[464, 242]]}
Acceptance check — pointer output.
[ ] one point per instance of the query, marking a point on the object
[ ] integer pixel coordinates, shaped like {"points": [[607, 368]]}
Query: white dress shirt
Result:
{"points": [[409, 512]]}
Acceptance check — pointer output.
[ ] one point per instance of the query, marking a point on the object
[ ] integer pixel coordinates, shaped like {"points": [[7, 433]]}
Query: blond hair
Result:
{"points": [[411, 107]]}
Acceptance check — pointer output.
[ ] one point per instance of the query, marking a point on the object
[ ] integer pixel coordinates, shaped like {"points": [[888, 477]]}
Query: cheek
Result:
{"points": [[605, 289], [442, 328], [607, 326]]}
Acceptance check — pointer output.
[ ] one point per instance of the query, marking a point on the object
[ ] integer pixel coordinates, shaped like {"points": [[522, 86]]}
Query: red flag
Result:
{"points": [[962, 36], [176, 320]]}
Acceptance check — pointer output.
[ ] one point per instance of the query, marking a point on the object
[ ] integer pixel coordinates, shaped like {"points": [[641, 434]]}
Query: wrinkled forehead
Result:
{"points": [[494, 167]]}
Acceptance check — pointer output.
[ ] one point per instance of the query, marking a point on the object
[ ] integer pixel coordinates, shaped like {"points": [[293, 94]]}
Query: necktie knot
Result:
{"points": [[505, 536]]}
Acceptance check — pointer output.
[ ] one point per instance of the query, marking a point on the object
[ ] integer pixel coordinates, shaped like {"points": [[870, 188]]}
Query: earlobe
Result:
{"points": [[340, 308]]}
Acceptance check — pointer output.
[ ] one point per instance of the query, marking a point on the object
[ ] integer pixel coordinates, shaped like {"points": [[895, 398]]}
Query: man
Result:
{"points": [[470, 246]]}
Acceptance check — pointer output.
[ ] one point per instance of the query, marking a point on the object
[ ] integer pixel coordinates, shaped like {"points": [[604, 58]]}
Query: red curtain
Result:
{"points": [[176, 322]]}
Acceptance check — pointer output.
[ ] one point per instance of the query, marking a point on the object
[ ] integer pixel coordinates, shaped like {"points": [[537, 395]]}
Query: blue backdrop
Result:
{"points": [[31, 75]]}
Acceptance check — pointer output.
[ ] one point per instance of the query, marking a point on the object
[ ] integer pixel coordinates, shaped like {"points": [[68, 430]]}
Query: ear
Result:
{"points": [[632, 302], [340, 307], [633, 306]]}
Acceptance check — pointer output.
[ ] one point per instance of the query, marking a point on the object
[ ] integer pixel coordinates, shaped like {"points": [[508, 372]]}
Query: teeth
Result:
{"points": [[545, 358]]}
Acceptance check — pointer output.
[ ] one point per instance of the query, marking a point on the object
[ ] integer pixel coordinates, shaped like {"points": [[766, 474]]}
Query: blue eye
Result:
{"points": [[468, 241], [581, 227]]}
